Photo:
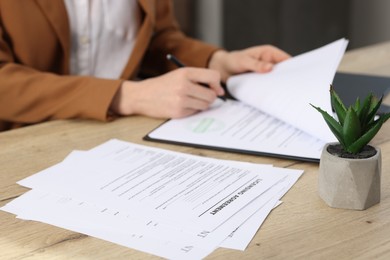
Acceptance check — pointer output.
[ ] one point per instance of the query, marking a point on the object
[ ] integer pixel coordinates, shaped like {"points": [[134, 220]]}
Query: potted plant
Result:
{"points": [[350, 170]]}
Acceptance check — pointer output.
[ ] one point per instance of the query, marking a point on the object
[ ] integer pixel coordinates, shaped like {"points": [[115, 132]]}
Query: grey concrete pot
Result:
{"points": [[350, 183]]}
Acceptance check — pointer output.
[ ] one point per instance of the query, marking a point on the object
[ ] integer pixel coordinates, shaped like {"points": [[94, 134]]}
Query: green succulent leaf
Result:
{"points": [[334, 126], [375, 105], [368, 136], [338, 105], [384, 118], [351, 127], [364, 109], [357, 106]]}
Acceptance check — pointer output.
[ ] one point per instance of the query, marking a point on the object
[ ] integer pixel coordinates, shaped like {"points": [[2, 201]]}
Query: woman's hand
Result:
{"points": [[256, 59], [172, 95]]}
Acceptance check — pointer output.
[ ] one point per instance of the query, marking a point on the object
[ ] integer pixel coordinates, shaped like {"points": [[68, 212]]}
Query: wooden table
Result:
{"points": [[303, 227]]}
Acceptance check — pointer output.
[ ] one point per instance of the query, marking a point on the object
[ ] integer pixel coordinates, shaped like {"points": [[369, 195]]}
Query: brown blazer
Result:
{"points": [[35, 84]]}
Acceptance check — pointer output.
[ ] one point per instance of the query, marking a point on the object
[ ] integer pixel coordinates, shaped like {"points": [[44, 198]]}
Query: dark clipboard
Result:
{"points": [[231, 150], [349, 86]]}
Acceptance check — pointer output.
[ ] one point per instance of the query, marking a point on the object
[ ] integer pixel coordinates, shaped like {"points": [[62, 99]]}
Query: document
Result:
{"points": [[271, 114], [170, 204], [177, 187]]}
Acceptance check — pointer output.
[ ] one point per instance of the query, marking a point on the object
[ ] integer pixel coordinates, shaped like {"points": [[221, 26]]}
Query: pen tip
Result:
{"points": [[169, 56]]}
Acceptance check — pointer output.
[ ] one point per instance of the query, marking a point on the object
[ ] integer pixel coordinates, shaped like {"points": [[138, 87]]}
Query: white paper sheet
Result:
{"points": [[74, 195], [98, 222], [242, 236], [162, 184], [119, 228], [235, 125], [287, 91]]}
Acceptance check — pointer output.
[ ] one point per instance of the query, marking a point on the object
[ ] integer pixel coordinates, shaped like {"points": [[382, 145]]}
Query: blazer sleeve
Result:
{"points": [[33, 87], [168, 38], [28, 96]]}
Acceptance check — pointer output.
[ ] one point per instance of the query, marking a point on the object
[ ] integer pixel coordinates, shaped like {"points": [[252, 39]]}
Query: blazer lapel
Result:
{"points": [[148, 6], [55, 11], [144, 36]]}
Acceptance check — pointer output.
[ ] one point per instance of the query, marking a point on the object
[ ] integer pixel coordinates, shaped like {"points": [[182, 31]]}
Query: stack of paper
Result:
{"points": [[170, 204]]}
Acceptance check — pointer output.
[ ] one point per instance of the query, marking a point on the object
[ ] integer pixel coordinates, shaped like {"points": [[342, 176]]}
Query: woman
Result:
{"points": [[64, 59]]}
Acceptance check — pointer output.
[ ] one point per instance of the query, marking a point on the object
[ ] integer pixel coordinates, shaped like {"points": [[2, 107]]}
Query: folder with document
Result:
{"points": [[271, 114]]}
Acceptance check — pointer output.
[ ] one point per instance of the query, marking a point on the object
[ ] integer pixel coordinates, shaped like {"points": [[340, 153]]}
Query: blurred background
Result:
{"points": [[295, 26]]}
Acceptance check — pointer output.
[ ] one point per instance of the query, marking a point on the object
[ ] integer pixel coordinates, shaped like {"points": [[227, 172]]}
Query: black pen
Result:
{"points": [[179, 64]]}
